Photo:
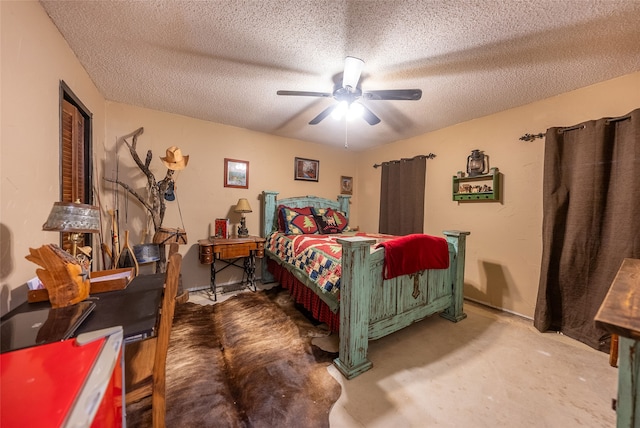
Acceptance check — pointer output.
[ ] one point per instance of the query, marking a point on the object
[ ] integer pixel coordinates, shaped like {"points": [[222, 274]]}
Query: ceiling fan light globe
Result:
{"points": [[340, 111], [356, 111]]}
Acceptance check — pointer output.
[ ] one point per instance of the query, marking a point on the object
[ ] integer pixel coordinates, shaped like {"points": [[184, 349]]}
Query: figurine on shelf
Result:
{"points": [[84, 257], [465, 188]]}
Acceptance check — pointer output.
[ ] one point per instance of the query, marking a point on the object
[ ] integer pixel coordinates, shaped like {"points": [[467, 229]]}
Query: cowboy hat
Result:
{"points": [[174, 159]]}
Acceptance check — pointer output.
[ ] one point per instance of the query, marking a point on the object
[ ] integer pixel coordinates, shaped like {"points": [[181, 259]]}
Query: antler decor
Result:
{"points": [[155, 203], [64, 278]]}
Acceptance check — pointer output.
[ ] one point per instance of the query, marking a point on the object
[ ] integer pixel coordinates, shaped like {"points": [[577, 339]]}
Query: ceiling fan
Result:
{"points": [[348, 94]]}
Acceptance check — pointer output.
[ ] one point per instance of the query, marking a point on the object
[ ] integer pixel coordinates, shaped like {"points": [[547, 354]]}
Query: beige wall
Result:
{"points": [[34, 59], [504, 248], [201, 195]]}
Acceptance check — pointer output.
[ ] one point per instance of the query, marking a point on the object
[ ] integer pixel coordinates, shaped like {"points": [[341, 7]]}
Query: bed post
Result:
{"points": [[268, 220], [458, 239], [355, 297], [343, 201]]}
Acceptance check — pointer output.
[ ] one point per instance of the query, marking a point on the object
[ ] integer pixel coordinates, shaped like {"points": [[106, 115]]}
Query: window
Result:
{"points": [[75, 152]]}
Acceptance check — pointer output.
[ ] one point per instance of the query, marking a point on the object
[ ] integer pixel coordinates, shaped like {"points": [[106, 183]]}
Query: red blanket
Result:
{"points": [[413, 253]]}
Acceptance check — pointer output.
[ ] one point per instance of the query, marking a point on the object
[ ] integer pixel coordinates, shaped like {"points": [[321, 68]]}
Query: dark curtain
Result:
{"points": [[591, 222], [402, 196]]}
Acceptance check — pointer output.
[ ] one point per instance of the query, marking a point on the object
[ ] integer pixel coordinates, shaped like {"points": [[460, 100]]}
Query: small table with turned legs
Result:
{"points": [[229, 252]]}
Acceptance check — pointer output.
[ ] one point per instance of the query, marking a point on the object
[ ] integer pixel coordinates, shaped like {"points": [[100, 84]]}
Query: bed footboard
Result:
{"points": [[371, 307], [355, 295], [362, 317], [458, 240]]}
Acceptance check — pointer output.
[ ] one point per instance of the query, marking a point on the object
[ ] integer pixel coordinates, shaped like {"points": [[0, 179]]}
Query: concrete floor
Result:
{"points": [[492, 369]]}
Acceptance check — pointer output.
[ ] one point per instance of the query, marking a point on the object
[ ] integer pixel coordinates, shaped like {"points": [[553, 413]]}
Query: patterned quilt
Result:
{"points": [[318, 256]]}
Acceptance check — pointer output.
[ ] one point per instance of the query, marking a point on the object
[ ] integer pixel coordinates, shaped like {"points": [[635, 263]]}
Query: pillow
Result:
{"points": [[298, 221], [326, 224], [280, 218], [333, 218], [281, 215]]}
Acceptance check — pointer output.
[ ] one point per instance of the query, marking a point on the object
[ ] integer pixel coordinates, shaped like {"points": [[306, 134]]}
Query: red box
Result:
{"points": [[222, 229], [76, 382]]}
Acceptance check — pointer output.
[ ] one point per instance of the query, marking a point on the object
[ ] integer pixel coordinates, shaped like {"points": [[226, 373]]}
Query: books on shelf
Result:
{"points": [[222, 228]]}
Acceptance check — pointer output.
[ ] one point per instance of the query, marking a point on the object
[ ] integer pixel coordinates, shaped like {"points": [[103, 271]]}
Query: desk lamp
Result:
{"points": [[73, 218], [243, 207]]}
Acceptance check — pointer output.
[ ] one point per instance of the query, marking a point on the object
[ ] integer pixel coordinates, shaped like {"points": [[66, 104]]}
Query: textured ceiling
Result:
{"points": [[223, 61]]}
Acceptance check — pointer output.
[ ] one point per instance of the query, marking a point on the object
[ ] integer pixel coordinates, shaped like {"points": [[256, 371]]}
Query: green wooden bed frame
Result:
{"points": [[371, 307]]}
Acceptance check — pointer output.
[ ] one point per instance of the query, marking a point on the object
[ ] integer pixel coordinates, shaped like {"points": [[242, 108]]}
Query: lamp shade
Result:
{"points": [[243, 206], [73, 217]]}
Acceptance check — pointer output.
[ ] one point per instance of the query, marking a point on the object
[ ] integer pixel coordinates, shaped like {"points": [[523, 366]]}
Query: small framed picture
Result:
{"points": [[306, 169], [236, 173], [346, 185]]}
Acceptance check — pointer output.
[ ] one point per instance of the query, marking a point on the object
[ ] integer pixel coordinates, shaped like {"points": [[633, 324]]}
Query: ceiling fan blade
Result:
{"points": [[394, 94], [326, 112], [369, 116], [305, 93], [352, 70]]}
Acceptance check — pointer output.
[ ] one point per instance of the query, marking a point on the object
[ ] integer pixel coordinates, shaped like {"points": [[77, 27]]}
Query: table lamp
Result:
{"points": [[64, 275], [243, 207], [73, 218]]}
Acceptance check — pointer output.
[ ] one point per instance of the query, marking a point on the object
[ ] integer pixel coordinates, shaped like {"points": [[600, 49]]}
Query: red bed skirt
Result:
{"points": [[304, 296]]}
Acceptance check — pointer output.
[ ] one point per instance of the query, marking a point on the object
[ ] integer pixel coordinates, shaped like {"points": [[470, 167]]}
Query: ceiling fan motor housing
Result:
{"points": [[347, 94]]}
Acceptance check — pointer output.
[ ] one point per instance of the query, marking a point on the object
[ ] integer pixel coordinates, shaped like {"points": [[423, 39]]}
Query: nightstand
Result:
{"points": [[229, 252]]}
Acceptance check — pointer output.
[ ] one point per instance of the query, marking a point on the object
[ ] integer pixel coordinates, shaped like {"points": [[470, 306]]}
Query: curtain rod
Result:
{"points": [[429, 156], [617, 119], [570, 128], [531, 137]]}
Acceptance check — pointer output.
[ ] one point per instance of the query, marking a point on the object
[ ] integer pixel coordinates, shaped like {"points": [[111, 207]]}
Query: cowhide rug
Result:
{"points": [[244, 362]]}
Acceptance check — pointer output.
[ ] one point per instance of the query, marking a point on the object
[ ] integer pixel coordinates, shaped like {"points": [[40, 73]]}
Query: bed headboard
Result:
{"points": [[270, 204]]}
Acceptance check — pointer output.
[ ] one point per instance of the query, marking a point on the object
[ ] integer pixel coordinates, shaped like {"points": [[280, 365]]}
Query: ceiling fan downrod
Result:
{"points": [[352, 70]]}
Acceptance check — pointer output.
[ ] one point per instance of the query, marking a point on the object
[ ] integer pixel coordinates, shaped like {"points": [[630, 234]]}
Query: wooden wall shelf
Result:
{"points": [[485, 187]]}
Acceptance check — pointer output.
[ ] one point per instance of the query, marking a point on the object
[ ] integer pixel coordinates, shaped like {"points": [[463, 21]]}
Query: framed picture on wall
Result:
{"points": [[306, 169], [236, 173], [346, 185]]}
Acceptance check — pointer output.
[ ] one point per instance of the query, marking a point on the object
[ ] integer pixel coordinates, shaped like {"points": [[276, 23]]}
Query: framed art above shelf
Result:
{"points": [[484, 187]]}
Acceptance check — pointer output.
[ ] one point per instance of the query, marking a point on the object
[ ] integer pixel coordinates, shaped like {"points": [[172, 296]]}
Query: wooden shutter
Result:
{"points": [[73, 165], [72, 159]]}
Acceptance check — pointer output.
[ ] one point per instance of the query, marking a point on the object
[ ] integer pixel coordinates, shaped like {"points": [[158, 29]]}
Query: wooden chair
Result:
{"points": [[145, 361], [173, 248], [183, 295]]}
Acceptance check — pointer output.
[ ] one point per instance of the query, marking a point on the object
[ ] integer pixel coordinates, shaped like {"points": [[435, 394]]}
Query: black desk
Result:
{"points": [[136, 308]]}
